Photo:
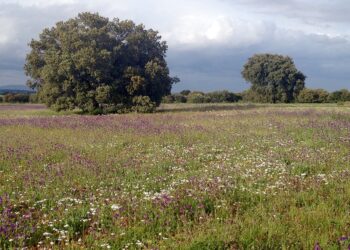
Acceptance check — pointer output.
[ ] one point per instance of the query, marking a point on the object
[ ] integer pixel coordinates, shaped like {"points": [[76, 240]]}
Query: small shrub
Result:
{"points": [[347, 104], [143, 104], [253, 96], [179, 98], [64, 103], [198, 97], [313, 96], [222, 96], [168, 99]]}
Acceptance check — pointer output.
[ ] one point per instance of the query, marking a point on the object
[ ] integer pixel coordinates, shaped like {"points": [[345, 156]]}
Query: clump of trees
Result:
{"points": [[99, 66], [16, 98], [19, 98], [305, 96], [313, 96], [186, 96], [342, 95], [322, 96], [198, 97], [274, 78]]}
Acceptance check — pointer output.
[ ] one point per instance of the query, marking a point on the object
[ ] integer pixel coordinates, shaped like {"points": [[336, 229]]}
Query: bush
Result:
{"points": [[179, 98], [346, 104], [168, 99], [253, 96], [143, 104], [342, 95], [313, 96], [222, 96], [198, 97], [16, 98], [1, 99]]}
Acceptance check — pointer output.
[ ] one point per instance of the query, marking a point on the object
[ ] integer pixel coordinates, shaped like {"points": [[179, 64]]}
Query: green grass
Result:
{"points": [[231, 176]]}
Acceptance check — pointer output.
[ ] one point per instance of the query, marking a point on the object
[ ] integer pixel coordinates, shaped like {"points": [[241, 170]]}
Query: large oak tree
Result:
{"points": [[274, 78], [99, 65]]}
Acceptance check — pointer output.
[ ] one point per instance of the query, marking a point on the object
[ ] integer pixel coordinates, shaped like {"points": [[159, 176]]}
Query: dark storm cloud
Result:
{"points": [[209, 40], [321, 10], [25, 23]]}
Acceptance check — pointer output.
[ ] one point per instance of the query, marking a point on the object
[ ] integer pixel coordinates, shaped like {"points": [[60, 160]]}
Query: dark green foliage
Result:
{"points": [[342, 95], [253, 96], [16, 98], [1, 99], [98, 65], [174, 98], [143, 104], [200, 97], [168, 99], [222, 96], [179, 98], [313, 96], [273, 77]]}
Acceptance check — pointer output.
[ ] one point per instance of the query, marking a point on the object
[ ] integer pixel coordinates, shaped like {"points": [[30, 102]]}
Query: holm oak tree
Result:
{"points": [[274, 78], [99, 66]]}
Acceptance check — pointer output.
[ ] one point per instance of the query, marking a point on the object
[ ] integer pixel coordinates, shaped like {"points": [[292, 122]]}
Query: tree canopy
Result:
{"points": [[99, 65], [274, 77]]}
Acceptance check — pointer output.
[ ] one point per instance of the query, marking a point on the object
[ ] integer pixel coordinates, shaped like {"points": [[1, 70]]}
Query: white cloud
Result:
{"points": [[7, 31], [199, 31]]}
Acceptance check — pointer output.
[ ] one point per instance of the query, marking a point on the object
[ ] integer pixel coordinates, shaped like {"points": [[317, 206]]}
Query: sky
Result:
{"points": [[209, 40]]}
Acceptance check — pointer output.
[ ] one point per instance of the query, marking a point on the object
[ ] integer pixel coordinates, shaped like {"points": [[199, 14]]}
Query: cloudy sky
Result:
{"points": [[209, 40]]}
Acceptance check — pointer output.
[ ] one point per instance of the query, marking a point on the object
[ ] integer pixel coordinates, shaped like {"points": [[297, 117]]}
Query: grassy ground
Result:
{"points": [[187, 177]]}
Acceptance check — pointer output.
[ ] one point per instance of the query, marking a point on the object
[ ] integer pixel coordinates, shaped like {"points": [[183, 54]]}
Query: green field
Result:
{"points": [[232, 176]]}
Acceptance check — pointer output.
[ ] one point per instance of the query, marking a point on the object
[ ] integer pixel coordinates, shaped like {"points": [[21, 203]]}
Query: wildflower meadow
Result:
{"points": [[233, 176]]}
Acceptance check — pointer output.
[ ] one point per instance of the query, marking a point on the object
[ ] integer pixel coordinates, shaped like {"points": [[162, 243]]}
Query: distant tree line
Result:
{"points": [[322, 96], [186, 96], [19, 98], [305, 96]]}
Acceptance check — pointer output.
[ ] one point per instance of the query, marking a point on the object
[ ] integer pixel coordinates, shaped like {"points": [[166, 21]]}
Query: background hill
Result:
{"points": [[15, 89]]}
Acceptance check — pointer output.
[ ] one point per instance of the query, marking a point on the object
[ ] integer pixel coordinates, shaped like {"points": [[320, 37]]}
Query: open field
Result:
{"points": [[188, 177]]}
